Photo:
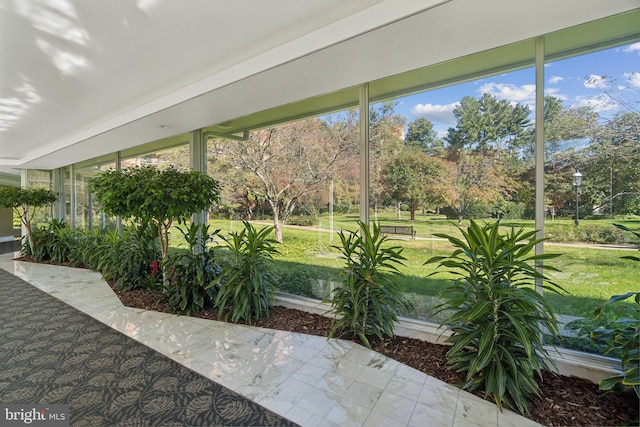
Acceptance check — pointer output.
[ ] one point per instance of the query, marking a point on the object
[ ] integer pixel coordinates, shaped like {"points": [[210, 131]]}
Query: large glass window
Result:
{"points": [[88, 215], [442, 157], [176, 156], [39, 179], [592, 141], [299, 177]]}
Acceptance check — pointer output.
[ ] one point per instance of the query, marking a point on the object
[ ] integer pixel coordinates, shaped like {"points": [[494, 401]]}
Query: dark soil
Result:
{"points": [[564, 401]]}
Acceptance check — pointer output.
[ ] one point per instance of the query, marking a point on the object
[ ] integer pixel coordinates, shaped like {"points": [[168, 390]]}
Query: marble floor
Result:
{"points": [[307, 379]]}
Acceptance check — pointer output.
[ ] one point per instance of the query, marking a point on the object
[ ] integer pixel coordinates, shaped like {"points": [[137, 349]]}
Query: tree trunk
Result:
{"points": [[163, 235], [277, 227], [399, 209], [27, 226]]}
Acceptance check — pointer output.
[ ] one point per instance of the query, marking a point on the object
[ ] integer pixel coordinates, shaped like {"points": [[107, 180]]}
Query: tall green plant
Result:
{"points": [[51, 242], [59, 239], [247, 284], [154, 196], [192, 274], [25, 202], [370, 299], [497, 316], [127, 259], [85, 251]]}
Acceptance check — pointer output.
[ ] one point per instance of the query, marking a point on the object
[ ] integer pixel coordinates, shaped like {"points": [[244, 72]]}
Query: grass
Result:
{"points": [[558, 230]]}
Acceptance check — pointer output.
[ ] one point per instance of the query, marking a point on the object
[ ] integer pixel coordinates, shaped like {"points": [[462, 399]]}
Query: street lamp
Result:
{"points": [[577, 181]]}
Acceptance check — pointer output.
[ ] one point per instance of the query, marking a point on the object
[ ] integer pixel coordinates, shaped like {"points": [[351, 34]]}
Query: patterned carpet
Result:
{"points": [[51, 353]]}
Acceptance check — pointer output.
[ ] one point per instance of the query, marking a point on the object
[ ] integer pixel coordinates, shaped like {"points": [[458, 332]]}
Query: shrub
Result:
{"points": [[154, 196], [497, 316], [509, 210], [592, 233], [191, 274], [84, 252], [370, 300], [25, 202], [60, 239], [246, 285], [580, 335], [127, 259], [296, 281], [51, 242], [303, 220]]}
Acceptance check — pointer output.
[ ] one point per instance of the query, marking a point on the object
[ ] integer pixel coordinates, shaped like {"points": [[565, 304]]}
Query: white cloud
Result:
{"points": [[525, 94], [555, 92], [633, 78], [595, 81], [632, 48], [442, 134], [598, 103], [435, 112], [555, 80]]}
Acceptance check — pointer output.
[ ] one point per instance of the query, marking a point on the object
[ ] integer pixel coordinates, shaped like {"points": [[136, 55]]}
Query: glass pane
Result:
{"points": [[300, 178], [88, 215], [177, 157], [442, 157], [592, 140], [40, 179]]}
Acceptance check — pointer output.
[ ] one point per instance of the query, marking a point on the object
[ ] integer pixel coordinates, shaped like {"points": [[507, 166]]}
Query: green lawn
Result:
{"points": [[558, 230]]}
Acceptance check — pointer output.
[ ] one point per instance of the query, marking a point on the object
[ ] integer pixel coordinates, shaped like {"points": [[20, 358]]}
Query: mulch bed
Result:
{"points": [[564, 401]]}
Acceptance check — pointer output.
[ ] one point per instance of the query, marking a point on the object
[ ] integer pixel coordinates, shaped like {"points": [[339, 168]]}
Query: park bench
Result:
{"points": [[406, 230]]}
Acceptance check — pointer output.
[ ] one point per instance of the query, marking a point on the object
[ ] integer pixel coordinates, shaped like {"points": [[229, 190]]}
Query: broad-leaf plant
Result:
{"points": [[495, 313]]}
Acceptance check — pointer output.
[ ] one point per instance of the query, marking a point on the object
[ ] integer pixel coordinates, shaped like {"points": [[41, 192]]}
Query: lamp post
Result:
{"points": [[577, 181]]}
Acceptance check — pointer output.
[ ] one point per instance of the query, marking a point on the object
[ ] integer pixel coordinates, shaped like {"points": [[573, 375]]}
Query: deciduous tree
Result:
{"points": [[385, 142], [471, 180], [292, 160], [614, 165], [413, 178], [154, 196], [25, 202]]}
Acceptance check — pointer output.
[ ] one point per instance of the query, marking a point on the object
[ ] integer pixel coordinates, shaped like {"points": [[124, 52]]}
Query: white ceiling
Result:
{"points": [[82, 78]]}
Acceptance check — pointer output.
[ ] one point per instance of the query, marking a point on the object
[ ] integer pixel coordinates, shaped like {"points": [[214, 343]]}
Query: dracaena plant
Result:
{"points": [[370, 299], [191, 275], [496, 316], [247, 284]]}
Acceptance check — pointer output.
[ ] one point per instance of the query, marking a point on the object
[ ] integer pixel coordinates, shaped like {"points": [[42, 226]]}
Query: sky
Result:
{"points": [[579, 81]]}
